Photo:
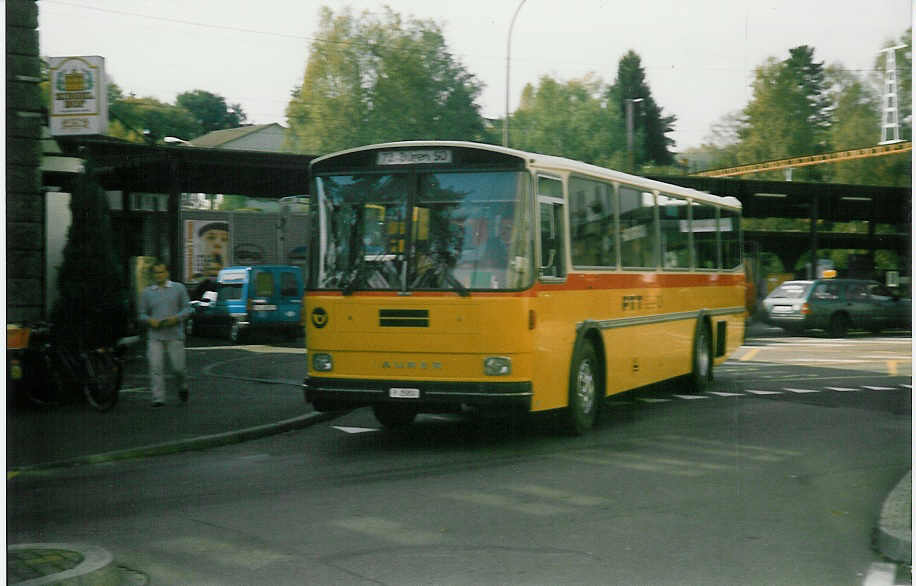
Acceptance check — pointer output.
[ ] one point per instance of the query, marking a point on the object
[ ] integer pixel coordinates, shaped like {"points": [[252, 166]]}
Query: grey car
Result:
{"points": [[836, 305]]}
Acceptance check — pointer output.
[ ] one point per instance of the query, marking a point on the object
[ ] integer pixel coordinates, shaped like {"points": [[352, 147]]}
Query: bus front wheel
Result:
{"points": [[584, 385], [394, 416]]}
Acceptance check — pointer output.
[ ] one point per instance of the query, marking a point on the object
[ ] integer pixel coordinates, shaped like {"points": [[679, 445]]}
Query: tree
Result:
{"points": [[570, 120], [148, 119], [92, 304], [650, 125], [210, 111], [789, 113], [373, 79]]}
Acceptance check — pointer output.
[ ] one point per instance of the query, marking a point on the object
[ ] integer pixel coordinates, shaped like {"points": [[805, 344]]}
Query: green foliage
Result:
{"points": [[92, 305], [570, 120], [148, 119], [789, 113], [650, 126], [379, 78], [210, 111]]}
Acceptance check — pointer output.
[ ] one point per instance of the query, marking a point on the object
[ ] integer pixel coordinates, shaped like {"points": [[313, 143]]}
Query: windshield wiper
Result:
{"points": [[456, 284], [356, 275]]}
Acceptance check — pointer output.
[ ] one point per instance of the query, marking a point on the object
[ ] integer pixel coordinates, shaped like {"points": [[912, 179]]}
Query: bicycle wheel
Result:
{"points": [[103, 381]]}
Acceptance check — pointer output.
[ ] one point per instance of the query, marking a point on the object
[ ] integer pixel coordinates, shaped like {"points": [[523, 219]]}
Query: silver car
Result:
{"points": [[836, 305]]}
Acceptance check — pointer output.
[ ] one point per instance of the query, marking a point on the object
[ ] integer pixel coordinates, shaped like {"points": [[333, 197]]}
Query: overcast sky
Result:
{"points": [[699, 55]]}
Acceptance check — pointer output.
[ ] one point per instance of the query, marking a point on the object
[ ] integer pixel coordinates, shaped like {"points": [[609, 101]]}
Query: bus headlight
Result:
{"points": [[322, 362], [497, 365]]}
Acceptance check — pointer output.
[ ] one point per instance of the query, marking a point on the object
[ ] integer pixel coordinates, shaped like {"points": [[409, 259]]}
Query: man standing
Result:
{"points": [[164, 307]]}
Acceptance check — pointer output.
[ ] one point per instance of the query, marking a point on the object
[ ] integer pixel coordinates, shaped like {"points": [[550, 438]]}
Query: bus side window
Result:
{"points": [[704, 226], [637, 229]]}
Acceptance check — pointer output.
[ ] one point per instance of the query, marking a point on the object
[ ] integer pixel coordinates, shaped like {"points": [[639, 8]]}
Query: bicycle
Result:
{"points": [[60, 372]]}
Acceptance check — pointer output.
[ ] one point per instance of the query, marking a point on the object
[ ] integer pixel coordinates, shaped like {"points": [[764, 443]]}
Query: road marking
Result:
{"points": [[651, 400], [690, 397], [621, 461], [233, 554], [579, 500], [509, 503], [756, 392], [842, 389], [750, 355], [721, 394], [800, 391], [729, 450], [354, 429], [764, 449], [880, 388], [388, 531]]}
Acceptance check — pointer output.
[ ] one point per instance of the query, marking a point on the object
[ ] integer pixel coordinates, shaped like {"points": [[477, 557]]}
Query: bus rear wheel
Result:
{"points": [[701, 374], [584, 385], [394, 416]]}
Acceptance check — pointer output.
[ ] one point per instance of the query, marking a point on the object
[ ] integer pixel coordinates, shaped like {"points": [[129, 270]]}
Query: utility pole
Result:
{"points": [[508, 54], [630, 140], [890, 114]]}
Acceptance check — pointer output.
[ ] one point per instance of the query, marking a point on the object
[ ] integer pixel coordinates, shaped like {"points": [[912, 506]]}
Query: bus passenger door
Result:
{"points": [[555, 328]]}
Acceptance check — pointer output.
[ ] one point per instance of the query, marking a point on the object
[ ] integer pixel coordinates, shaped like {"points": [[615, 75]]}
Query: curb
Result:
{"points": [[96, 567], [196, 443], [895, 530]]}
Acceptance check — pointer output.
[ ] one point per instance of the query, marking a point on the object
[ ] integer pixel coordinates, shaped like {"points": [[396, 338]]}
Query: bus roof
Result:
{"points": [[550, 163]]}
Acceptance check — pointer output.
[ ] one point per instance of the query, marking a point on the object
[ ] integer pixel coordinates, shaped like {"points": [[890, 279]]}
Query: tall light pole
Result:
{"points": [[508, 55], [629, 106]]}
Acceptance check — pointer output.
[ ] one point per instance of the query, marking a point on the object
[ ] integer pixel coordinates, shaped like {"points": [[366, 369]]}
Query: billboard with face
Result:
{"points": [[206, 248]]}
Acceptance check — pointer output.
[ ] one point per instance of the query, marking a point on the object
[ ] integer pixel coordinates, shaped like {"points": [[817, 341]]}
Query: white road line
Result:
{"points": [[690, 397], [721, 394], [800, 391], [880, 388], [650, 400], [755, 392], [353, 429], [842, 389]]}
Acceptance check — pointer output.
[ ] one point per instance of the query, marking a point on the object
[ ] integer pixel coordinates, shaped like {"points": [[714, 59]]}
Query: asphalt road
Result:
{"points": [[776, 476]]}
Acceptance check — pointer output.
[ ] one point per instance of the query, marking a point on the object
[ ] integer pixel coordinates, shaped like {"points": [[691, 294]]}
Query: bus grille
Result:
{"points": [[403, 318]]}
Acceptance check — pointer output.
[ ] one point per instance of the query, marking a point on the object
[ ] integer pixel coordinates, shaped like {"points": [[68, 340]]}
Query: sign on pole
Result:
{"points": [[79, 97]]}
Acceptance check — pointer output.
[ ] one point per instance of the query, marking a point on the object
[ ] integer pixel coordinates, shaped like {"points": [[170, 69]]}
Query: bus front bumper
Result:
{"points": [[328, 394]]}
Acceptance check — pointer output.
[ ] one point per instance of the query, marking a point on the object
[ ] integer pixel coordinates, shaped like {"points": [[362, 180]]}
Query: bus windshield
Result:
{"points": [[424, 231]]}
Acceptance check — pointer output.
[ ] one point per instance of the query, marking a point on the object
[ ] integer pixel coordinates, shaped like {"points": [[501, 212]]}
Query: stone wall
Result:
{"points": [[24, 201]]}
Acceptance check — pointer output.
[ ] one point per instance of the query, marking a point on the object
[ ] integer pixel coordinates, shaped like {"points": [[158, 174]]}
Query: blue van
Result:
{"points": [[251, 298]]}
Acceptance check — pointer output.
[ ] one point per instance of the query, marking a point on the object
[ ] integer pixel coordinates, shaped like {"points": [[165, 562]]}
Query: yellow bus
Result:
{"points": [[455, 275]]}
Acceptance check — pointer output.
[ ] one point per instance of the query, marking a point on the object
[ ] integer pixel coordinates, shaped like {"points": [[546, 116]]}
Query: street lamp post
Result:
{"points": [[508, 55], [629, 106]]}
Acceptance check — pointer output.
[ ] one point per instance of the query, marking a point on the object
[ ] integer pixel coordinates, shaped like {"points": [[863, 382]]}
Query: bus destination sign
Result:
{"points": [[415, 157]]}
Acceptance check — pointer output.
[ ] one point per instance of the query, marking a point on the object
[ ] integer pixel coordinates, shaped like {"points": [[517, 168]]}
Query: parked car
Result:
{"points": [[836, 305], [248, 299]]}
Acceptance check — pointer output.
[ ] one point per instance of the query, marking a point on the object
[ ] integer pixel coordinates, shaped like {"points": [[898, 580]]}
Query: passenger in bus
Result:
{"points": [[496, 253]]}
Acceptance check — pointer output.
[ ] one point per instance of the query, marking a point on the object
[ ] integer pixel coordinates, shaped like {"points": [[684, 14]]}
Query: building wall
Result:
{"points": [[24, 201]]}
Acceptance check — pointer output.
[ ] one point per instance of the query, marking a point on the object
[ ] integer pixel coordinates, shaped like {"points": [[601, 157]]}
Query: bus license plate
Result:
{"points": [[399, 393]]}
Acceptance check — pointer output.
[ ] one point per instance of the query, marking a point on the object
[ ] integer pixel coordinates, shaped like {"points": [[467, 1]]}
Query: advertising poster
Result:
{"points": [[206, 249], [79, 101]]}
